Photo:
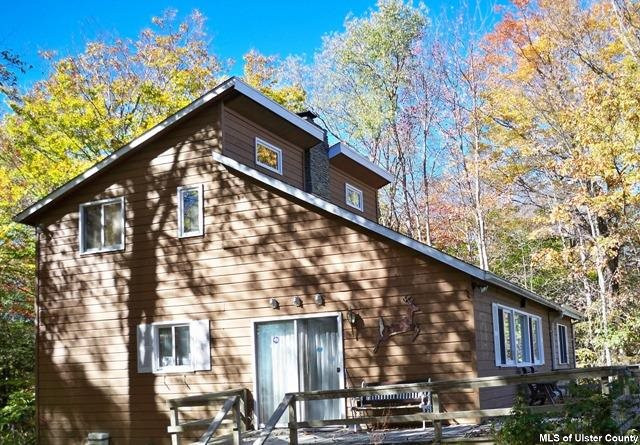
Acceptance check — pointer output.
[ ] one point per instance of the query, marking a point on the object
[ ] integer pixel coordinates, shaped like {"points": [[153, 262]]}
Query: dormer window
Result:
{"points": [[268, 156], [353, 197]]}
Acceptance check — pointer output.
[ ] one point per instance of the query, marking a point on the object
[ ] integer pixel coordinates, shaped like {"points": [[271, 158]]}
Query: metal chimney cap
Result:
{"points": [[308, 115]]}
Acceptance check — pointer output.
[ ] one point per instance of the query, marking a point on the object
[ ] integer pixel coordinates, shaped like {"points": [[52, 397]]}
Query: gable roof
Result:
{"points": [[235, 84], [230, 84], [385, 232]]}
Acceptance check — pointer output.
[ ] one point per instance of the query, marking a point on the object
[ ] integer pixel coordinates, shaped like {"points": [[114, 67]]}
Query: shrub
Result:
{"points": [[586, 411]]}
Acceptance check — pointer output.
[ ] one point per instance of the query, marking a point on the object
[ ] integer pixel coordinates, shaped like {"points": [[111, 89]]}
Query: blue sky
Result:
{"points": [[273, 27]]}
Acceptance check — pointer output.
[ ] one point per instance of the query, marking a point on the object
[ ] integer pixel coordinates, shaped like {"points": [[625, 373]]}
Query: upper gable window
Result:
{"points": [[268, 156], [102, 225], [353, 197], [190, 211]]}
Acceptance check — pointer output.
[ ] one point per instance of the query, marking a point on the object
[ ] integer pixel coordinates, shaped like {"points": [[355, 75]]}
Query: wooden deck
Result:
{"points": [[341, 430], [461, 434]]}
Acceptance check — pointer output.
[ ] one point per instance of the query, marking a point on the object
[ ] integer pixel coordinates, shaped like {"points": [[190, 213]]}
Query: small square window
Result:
{"points": [[102, 226], [190, 211], [268, 156], [353, 197], [174, 347]]}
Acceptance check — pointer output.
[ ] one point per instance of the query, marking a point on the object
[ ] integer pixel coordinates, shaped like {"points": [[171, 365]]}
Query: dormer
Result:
{"points": [[355, 181], [290, 147], [263, 135]]}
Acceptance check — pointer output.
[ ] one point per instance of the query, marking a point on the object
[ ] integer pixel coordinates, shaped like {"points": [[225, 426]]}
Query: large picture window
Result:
{"points": [[517, 337], [190, 211], [102, 225], [563, 345], [268, 156]]}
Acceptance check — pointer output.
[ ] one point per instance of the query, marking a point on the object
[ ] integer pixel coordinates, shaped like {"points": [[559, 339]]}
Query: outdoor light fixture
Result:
{"points": [[353, 317], [481, 287], [319, 299], [297, 301], [274, 303]]}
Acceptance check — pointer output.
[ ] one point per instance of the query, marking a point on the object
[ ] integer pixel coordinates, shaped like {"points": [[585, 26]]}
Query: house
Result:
{"points": [[230, 247]]}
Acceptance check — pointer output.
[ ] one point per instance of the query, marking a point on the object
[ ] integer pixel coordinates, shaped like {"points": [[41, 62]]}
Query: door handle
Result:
{"points": [[338, 369]]}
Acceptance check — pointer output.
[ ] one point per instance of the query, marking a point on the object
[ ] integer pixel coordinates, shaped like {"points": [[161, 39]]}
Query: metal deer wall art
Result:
{"points": [[402, 326]]}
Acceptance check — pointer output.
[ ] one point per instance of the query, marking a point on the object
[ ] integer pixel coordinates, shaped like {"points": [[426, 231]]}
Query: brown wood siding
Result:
{"points": [[337, 180], [257, 245], [485, 351], [239, 135]]}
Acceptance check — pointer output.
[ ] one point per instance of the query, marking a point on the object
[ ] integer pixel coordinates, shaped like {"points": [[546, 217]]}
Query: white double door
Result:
{"points": [[302, 354]]}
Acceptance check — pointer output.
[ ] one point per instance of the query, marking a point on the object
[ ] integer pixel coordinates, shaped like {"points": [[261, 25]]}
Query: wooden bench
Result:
{"points": [[384, 404]]}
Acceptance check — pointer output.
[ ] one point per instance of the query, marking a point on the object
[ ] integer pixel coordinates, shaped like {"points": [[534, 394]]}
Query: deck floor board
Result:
{"points": [[476, 434]]}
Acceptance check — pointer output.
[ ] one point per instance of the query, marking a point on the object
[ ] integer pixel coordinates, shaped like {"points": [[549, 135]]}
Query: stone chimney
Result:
{"points": [[316, 163]]}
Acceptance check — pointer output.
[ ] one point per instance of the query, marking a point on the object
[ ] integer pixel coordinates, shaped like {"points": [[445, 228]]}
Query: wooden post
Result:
{"points": [[604, 385], [624, 380], [237, 435], [437, 424], [246, 412], [175, 421], [293, 422]]}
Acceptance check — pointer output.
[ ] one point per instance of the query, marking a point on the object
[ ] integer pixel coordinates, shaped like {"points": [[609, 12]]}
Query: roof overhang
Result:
{"points": [[231, 84], [462, 266], [353, 163]]}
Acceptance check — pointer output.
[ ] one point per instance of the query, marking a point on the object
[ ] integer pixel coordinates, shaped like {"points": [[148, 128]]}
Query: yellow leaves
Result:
{"points": [[550, 258], [265, 73], [94, 102]]}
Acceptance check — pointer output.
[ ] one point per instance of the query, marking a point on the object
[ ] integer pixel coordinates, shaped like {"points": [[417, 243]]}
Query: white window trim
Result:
{"points": [[155, 357], [271, 147], [200, 232], [566, 343], [496, 337], [81, 226], [347, 188]]}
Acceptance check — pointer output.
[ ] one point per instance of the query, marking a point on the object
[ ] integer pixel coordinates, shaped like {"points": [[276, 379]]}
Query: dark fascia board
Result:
{"points": [[469, 269], [232, 83], [343, 149]]}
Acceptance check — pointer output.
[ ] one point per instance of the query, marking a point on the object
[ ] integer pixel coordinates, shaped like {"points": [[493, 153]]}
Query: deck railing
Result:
{"points": [[234, 405], [604, 374]]}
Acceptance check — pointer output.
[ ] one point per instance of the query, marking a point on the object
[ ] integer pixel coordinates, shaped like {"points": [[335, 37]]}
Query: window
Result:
{"points": [[190, 211], [563, 345], [268, 156], [174, 350], [174, 346], [517, 337], [102, 226], [353, 197]]}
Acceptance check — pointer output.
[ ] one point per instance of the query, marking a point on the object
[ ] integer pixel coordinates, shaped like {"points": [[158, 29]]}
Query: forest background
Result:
{"points": [[514, 144]]}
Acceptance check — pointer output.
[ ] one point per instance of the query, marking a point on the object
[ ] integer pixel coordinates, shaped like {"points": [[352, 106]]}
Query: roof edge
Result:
{"points": [[281, 111], [231, 83], [342, 148], [424, 249]]}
